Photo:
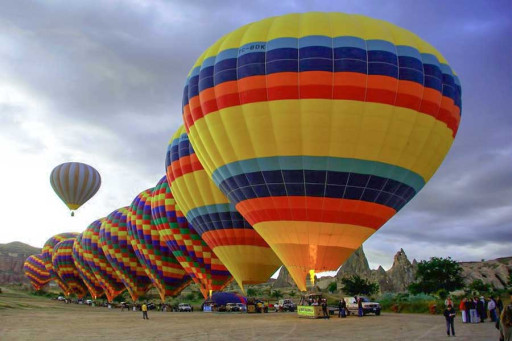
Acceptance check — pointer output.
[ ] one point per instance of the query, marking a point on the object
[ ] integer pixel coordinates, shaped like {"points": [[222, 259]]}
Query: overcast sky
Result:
{"points": [[100, 82]]}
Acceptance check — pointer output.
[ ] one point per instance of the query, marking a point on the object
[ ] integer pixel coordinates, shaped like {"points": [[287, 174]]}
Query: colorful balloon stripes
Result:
{"points": [[166, 273], [303, 135], [121, 255], [105, 274], [194, 255], [64, 265], [239, 247], [75, 183], [36, 272], [84, 270], [319, 127]]}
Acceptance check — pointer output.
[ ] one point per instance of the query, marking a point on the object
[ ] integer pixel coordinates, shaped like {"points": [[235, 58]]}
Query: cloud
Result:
{"points": [[101, 82]]}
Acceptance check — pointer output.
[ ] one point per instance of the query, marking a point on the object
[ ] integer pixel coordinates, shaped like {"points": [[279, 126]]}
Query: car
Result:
{"points": [[88, 302], [61, 298], [185, 307], [369, 307], [285, 305], [241, 307], [232, 307]]}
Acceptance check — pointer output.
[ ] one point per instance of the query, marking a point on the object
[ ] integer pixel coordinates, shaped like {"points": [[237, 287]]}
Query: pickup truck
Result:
{"points": [[185, 307], [369, 307], [285, 305]]}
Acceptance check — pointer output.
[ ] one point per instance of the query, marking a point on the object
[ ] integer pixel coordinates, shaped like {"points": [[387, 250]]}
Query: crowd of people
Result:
{"points": [[478, 310]]}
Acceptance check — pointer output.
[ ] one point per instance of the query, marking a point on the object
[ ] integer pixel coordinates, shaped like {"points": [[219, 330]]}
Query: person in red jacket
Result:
{"points": [[462, 308]]}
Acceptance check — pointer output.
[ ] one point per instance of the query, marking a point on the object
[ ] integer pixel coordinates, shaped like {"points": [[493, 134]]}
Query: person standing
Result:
{"points": [[324, 309], [492, 309], [360, 306], [506, 324], [480, 309], [449, 315], [342, 306], [448, 301], [467, 306], [472, 310], [462, 308], [145, 311]]}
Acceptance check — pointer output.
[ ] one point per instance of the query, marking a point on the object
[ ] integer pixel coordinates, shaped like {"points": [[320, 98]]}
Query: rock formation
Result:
{"points": [[12, 257], [402, 273], [284, 280]]}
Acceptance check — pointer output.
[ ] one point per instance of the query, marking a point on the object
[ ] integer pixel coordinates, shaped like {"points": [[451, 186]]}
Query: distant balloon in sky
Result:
{"points": [[320, 127], [166, 273], [121, 255], [47, 257], [64, 266], [84, 270], [75, 183], [36, 272], [240, 248], [196, 257], [100, 266]]}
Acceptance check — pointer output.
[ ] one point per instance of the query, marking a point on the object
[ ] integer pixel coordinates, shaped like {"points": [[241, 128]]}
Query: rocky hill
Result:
{"points": [[401, 274], [12, 257]]}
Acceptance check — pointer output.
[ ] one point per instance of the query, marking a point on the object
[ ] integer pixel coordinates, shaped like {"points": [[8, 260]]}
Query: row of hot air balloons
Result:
{"points": [[303, 134]]}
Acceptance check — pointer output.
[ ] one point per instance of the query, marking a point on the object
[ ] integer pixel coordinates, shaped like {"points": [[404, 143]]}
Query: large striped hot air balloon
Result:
{"points": [[166, 273], [75, 183], [97, 261], [240, 248], [186, 244], [64, 265], [84, 270], [47, 257], [319, 127], [120, 254], [36, 272]]}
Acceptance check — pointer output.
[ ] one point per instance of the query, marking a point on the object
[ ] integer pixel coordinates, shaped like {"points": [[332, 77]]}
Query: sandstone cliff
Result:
{"points": [[12, 257]]}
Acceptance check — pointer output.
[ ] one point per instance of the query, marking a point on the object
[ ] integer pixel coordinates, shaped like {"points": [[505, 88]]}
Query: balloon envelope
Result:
{"points": [[240, 248], [97, 261], [186, 244], [36, 272], [319, 127], [64, 265], [47, 257], [166, 273], [85, 272], [120, 253], [75, 183]]}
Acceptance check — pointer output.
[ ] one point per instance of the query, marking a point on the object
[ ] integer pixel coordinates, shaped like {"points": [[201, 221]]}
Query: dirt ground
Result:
{"points": [[23, 317]]}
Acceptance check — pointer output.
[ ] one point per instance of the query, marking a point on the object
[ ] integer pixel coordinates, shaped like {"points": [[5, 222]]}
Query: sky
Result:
{"points": [[100, 82]]}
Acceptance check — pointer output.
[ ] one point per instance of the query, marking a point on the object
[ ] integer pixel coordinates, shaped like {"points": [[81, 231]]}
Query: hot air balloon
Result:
{"points": [[85, 272], [120, 254], [75, 183], [190, 250], [166, 273], [244, 253], [97, 261], [36, 272], [47, 257], [319, 127], [64, 266]]}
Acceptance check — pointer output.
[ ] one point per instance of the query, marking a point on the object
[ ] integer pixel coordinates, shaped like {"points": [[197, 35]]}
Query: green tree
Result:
{"points": [[356, 285], [277, 294], [479, 286], [292, 293], [436, 274], [332, 287], [251, 292]]}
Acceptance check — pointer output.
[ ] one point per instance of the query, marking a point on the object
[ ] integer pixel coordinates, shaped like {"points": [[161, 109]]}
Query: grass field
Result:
{"points": [[26, 317]]}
